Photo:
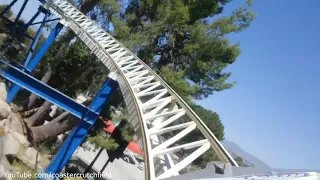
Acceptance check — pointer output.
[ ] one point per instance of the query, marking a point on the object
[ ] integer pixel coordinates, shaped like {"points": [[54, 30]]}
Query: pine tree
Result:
{"points": [[175, 38]]}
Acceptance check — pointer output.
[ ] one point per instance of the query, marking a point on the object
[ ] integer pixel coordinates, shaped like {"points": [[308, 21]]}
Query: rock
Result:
{"points": [[6, 164], [21, 139], [2, 133], [15, 108], [30, 156], [4, 168], [5, 109], [54, 109], [16, 123], [2, 172], [3, 91], [4, 123], [11, 145]]}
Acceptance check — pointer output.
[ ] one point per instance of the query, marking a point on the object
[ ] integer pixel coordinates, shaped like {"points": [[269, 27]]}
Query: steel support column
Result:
{"points": [[37, 37], [87, 116], [78, 134]]}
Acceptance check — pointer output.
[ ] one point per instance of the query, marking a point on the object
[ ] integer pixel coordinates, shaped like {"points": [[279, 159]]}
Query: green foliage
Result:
{"points": [[127, 132], [197, 52], [4, 23], [19, 166], [207, 157], [78, 72], [109, 6], [12, 43], [117, 117], [102, 140], [211, 119], [240, 162], [176, 81], [189, 169], [49, 147]]}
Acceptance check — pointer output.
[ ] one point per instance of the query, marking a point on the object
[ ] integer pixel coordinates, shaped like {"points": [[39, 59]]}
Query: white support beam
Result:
{"points": [[168, 121], [180, 147], [174, 138], [151, 78], [171, 128], [185, 162], [155, 85], [158, 96], [154, 103], [145, 85], [138, 79], [153, 117], [137, 74], [134, 69], [162, 91]]}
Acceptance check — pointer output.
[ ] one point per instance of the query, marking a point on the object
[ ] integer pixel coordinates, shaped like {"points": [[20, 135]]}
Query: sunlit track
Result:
{"points": [[154, 108]]}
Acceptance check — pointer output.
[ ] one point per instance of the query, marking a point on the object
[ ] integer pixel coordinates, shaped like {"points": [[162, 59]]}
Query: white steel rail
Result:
{"points": [[154, 108]]}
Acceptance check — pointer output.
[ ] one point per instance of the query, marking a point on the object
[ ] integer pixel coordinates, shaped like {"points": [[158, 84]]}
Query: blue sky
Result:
{"points": [[272, 110]]}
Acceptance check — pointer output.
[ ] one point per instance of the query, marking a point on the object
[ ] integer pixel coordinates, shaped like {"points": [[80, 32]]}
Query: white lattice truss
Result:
{"points": [[154, 108]]}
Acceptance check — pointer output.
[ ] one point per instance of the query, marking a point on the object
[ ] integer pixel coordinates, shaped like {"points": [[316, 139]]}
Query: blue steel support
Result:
{"points": [[43, 49], [87, 116], [19, 77], [33, 18], [35, 60], [6, 10], [13, 24], [21, 10], [55, 19], [77, 135], [36, 39]]}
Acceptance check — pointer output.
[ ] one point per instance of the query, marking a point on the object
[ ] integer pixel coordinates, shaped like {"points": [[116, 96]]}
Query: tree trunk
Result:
{"points": [[58, 125], [37, 118], [57, 58], [52, 129], [61, 116], [85, 8], [45, 79]]}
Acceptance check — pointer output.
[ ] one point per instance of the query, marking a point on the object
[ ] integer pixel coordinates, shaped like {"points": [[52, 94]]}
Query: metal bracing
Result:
{"points": [[29, 62], [14, 24], [87, 115], [15, 88], [78, 134], [154, 108], [44, 91], [20, 77]]}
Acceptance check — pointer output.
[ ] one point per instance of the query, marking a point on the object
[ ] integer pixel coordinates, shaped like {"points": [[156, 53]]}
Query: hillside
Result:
{"points": [[248, 158]]}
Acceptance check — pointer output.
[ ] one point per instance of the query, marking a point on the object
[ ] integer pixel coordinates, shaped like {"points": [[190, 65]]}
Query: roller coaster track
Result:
{"points": [[155, 109]]}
